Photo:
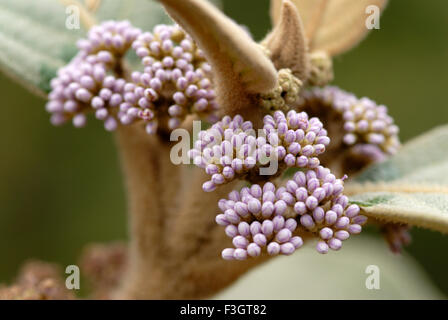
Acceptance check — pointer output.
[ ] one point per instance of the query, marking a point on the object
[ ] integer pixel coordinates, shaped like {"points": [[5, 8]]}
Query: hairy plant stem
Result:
{"points": [[175, 244]]}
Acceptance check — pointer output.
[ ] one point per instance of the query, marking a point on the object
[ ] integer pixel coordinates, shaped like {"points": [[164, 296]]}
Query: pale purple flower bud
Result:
{"points": [[221, 220], [359, 220], [256, 191], [326, 233], [287, 248], [352, 211], [269, 186], [318, 214], [273, 248], [240, 254], [307, 221], [342, 201], [300, 208], [254, 206], [255, 228], [253, 250], [231, 231], [83, 95], [228, 254], [319, 194], [267, 227], [283, 235], [267, 209], [208, 186], [342, 235], [232, 216], [228, 173], [290, 160], [279, 223], [115, 100], [280, 207], [218, 179], [260, 239], [301, 194], [313, 183], [322, 247], [79, 120], [110, 124], [244, 229], [97, 103], [311, 202], [302, 161], [354, 229], [296, 241], [337, 188], [330, 217], [240, 242], [241, 209], [338, 209], [288, 198], [101, 114], [268, 196], [291, 186], [291, 224], [335, 244]]}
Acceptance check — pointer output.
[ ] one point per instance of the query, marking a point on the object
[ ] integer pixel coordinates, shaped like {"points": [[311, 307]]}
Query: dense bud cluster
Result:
{"points": [[86, 83], [255, 220], [322, 208], [175, 81], [231, 150], [266, 219], [81, 86], [284, 95], [367, 126], [115, 37], [303, 138]]}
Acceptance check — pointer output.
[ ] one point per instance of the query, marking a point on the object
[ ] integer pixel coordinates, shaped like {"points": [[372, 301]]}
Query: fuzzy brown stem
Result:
{"points": [[175, 245], [152, 182]]}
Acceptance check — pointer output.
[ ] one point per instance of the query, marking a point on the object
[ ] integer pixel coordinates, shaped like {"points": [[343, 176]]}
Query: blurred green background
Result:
{"points": [[61, 188]]}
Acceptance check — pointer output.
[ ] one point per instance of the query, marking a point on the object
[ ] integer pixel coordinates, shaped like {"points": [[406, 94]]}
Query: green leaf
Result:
{"points": [[144, 14], [34, 40], [410, 187]]}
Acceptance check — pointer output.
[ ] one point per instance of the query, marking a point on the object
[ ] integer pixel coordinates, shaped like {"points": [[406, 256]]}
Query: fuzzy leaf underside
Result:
{"points": [[34, 40], [410, 187], [334, 26]]}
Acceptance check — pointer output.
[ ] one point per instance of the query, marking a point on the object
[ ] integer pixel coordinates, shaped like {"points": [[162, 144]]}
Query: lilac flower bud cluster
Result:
{"points": [[81, 86], [320, 207], [266, 219], [227, 151], [364, 122], [255, 219], [174, 83], [84, 84], [115, 37], [302, 138], [230, 149]]}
